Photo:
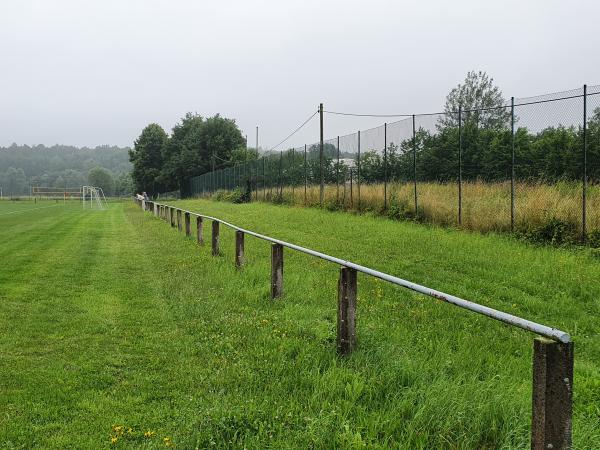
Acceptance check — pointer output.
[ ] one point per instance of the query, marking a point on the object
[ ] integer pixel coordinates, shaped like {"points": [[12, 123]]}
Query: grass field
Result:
{"points": [[113, 319]]}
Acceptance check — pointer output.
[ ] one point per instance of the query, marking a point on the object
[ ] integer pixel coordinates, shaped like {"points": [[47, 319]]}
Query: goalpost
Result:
{"points": [[54, 193], [92, 197]]}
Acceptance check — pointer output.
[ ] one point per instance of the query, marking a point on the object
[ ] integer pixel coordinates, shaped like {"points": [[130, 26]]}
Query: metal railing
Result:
{"points": [[553, 356]]}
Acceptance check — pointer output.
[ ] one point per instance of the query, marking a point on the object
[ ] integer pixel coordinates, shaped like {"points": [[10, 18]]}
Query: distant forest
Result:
{"points": [[22, 166]]}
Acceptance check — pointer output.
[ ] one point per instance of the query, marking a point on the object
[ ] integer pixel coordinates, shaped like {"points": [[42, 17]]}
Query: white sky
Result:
{"points": [[96, 72]]}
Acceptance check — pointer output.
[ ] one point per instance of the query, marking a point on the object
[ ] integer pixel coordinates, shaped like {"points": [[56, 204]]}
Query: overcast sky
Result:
{"points": [[96, 72]]}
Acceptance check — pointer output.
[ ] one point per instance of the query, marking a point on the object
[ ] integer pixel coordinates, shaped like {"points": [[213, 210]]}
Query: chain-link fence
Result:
{"points": [[531, 166]]}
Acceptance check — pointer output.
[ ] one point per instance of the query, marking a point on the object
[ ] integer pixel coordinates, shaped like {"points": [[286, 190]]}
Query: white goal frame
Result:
{"points": [[92, 197]]}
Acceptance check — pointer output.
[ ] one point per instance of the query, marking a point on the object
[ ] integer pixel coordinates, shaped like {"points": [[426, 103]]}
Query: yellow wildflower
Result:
{"points": [[114, 439]]}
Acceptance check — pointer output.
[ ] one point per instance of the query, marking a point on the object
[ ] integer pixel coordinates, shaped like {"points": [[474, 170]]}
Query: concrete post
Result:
{"points": [[215, 238], [552, 394], [188, 230], [199, 233], [239, 249], [346, 317], [276, 270]]}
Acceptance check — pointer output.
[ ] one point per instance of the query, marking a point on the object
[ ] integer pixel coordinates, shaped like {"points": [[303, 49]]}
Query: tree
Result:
{"points": [[147, 159], [124, 184], [482, 103], [100, 177], [197, 146], [15, 182], [243, 154]]}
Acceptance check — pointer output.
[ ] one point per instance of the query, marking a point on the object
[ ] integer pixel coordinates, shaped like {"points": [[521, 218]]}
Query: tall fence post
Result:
{"points": [[459, 165], [322, 188], [215, 238], [385, 167], [305, 175], [584, 192], [239, 249], [172, 216], [351, 199], [188, 230], [178, 219], [346, 314], [199, 233], [512, 164], [264, 179], [552, 395], [415, 164], [276, 270], [292, 176], [337, 173], [357, 173], [280, 180]]}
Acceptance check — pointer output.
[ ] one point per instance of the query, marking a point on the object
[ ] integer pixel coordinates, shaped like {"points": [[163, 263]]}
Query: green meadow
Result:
{"points": [[117, 331]]}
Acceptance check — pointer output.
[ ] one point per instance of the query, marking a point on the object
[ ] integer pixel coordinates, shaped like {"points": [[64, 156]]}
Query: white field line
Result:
{"points": [[25, 210]]}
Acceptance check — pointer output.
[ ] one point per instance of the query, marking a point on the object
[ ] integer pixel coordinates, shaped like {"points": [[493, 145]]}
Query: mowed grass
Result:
{"points": [[113, 318]]}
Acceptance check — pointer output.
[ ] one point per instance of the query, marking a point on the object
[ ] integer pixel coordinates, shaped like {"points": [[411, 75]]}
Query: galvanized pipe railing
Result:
{"points": [[543, 330], [553, 358]]}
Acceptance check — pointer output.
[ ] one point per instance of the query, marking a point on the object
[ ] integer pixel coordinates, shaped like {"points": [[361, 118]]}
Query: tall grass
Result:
{"points": [[543, 211]]}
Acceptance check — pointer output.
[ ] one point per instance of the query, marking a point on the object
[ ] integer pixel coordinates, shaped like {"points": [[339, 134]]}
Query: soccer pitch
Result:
{"points": [[119, 331]]}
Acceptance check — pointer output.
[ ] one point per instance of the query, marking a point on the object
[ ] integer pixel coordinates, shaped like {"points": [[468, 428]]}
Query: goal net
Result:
{"points": [[92, 197]]}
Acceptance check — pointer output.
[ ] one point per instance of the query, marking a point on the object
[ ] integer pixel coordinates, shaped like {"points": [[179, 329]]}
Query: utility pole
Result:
{"points": [[321, 192], [257, 138]]}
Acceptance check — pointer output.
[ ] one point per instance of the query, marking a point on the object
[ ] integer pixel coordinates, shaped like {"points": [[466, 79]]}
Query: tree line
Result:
{"points": [[61, 166]]}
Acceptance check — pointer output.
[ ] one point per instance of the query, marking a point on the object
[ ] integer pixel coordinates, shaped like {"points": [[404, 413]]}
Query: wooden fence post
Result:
{"points": [[215, 238], [178, 219], [239, 249], [172, 216], [346, 316], [188, 229], [276, 270], [552, 394], [199, 230]]}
